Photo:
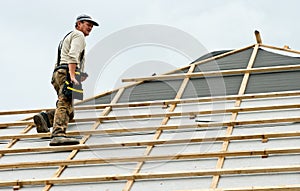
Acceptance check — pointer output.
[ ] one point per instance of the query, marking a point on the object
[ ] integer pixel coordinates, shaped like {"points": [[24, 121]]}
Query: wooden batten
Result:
{"points": [[150, 143], [92, 161], [257, 36], [217, 73], [149, 176]]}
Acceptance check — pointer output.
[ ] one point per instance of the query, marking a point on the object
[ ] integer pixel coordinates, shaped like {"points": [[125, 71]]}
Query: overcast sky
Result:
{"points": [[32, 29]]}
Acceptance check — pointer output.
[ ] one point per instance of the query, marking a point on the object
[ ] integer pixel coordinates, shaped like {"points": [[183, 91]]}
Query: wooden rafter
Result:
{"points": [[234, 115]]}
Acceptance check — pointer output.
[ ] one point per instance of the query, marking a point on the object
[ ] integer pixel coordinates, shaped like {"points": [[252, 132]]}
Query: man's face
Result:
{"points": [[85, 27]]}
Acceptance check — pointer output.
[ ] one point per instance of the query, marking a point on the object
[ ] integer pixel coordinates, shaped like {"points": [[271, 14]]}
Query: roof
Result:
{"points": [[228, 121]]}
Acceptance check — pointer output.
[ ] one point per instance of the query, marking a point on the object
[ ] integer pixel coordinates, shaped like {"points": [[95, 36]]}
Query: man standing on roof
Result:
{"points": [[71, 58]]}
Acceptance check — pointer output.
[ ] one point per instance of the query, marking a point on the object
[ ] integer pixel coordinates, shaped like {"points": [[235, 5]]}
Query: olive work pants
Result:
{"points": [[64, 112]]}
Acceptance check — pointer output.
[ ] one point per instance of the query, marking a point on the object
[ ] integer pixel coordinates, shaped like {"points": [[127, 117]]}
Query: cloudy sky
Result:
{"points": [[31, 31]]}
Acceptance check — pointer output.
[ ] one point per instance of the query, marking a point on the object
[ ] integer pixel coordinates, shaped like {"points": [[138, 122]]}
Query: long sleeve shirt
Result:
{"points": [[72, 50]]}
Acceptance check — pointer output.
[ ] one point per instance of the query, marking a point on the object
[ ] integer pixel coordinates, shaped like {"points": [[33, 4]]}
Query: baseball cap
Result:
{"points": [[88, 18]]}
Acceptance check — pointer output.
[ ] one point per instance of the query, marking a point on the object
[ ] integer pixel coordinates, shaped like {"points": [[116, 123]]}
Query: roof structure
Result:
{"points": [[228, 121]]}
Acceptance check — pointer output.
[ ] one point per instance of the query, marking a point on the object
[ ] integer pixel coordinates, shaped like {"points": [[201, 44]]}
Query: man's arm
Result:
{"points": [[72, 68]]}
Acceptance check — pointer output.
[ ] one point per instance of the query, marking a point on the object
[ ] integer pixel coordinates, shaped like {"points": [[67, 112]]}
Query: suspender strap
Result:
{"points": [[59, 54], [59, 49]]}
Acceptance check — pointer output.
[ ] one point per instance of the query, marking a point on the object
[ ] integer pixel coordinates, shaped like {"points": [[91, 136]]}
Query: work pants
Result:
{"points": [[64, 112]]}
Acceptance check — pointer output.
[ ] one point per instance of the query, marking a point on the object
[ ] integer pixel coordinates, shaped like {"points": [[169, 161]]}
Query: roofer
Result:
{"points": [[66, 80]]}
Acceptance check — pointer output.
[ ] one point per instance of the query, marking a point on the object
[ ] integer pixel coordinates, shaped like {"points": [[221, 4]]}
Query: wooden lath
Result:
{"points": [[262, 136], [188, 156], [168, 114], [149, 176], [144, 116], [258, 37], [151, 103], [218, 73]]}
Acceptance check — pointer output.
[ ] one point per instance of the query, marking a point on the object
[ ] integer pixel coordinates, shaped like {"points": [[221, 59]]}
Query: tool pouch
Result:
{"points": [[72, 91]]}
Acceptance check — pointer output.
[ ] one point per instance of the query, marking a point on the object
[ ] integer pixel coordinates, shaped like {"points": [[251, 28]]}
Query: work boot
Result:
{"points": [[62, 141], [40, 121]]}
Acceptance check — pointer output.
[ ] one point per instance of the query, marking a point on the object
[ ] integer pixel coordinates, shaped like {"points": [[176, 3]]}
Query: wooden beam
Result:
{"points": [[150, 176], [159, 103], [223, 55], [188, 156], [234, 115], [216, 73], [278, 48], [169, 114], [150, 143], [257, 36]]}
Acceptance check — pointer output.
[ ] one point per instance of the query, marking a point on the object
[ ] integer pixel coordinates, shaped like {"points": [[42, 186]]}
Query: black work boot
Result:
{"points": [[41, 122], [63, 140]]}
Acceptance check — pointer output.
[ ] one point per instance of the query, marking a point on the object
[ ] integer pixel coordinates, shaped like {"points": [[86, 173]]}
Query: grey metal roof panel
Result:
{"points": [[138, 110], [235, 61], [266, 59], [213, 86], [210, 55], [105, 99], [273, 82], [149, 91]]}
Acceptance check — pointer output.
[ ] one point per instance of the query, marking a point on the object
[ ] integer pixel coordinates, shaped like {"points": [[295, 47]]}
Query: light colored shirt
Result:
{"points": [[72, 49]]}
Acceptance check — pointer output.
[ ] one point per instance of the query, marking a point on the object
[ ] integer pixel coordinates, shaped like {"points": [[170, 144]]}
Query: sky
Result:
{"points": [[135, 38]]}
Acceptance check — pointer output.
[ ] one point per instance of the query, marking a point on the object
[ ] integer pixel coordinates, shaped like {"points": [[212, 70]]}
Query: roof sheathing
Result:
{"points": [[156, 143]]}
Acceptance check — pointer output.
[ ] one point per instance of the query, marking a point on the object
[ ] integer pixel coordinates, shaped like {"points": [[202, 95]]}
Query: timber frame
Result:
{"points": [[27, 124]]}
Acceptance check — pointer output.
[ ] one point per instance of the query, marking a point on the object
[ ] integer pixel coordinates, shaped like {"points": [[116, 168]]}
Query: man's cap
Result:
{"points": [[86, 18]]}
